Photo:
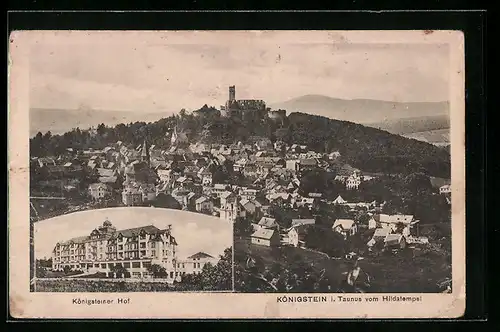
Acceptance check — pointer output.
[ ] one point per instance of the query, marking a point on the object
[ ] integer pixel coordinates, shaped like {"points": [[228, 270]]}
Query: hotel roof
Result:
{"points": [[200, 255]]}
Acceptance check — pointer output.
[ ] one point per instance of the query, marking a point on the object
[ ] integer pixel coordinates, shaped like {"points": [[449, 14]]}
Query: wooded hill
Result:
{"points": [[366, 148]]}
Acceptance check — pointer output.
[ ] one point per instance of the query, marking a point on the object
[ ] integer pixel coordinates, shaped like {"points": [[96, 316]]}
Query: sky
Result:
{"points": [[152, 73], [194, 232]]}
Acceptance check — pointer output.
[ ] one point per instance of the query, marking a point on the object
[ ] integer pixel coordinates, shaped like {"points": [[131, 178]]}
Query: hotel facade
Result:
{"points": [[105, 248]]}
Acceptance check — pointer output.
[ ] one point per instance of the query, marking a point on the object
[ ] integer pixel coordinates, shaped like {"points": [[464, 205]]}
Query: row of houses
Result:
{"points": [[392, 230]]}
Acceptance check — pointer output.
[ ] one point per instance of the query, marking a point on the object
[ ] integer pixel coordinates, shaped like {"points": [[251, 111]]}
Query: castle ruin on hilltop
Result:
{"points": [[243, 108]]}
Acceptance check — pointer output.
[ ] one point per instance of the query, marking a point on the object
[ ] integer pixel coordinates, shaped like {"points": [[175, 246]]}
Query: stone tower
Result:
{"points": [[232, 93]]}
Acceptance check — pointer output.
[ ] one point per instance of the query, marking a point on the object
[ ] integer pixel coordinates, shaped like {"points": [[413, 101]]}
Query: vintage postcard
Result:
{"points": [[236, 174]]}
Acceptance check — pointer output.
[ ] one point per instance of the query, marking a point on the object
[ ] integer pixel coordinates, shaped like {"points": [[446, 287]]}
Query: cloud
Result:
{"points": [[157, 75]]}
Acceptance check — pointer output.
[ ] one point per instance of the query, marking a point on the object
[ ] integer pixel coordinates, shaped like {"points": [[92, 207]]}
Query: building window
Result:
{"points": [[153, 244], [136, 264], [126, 265], [194, 265], [103, 266], [110, 265], [120, 247], [153, 252], [171, 274], [143, 245], [136, 274], [96, 265]]}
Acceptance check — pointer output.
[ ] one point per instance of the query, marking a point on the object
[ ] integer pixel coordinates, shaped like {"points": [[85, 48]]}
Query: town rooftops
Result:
{"points": [[263, 233], [149, 229], [344, 223], [200, 255]]}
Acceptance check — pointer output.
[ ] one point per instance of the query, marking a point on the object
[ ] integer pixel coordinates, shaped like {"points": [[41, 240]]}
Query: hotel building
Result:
{"points": [[135, 249]]}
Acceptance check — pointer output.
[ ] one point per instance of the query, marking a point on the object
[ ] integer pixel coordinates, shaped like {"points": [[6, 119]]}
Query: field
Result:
{"points": [[411, 270], [440, 137]]}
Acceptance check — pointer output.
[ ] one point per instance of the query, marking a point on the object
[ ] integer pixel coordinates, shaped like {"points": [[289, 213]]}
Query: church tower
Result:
{"points": [[145, 153]]}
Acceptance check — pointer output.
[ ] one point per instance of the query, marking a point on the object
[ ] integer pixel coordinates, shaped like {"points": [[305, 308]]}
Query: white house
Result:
{"points": [[405, 222], [372, 223], [265, 222], [193, 264], [395, 241], [346, 227], [265, 237], [204, 204], [99, 191], [379, 235], [248, 206], [219, 188], [131, 196], [446, 189], [353, 181], [296, 235], [206, 176], [339, 200], [248, 193]]}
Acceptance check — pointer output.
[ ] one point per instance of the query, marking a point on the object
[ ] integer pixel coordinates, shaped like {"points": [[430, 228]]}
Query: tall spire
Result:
{"points": [[145, 152], [173, 140]]}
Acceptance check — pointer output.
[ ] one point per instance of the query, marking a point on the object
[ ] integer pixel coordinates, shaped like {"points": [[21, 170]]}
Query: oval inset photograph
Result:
{"points": [[133, 249]]}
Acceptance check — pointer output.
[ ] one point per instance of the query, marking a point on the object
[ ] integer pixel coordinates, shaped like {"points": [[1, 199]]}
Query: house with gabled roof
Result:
{"points": [[296, 235], [265, 237], [99, 191], [266, 222], [204, 204], [395, 241], [346, 227], [398, 223], [339, 200], [194, 264]]}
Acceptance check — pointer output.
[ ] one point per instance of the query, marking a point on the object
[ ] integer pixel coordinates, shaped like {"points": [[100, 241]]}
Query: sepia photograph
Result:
{"points": [[132, 249], [264, 163]]}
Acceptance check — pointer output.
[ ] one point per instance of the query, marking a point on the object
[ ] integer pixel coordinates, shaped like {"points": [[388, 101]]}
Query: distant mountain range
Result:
{"points": [[59, 121], [395, 117]]}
